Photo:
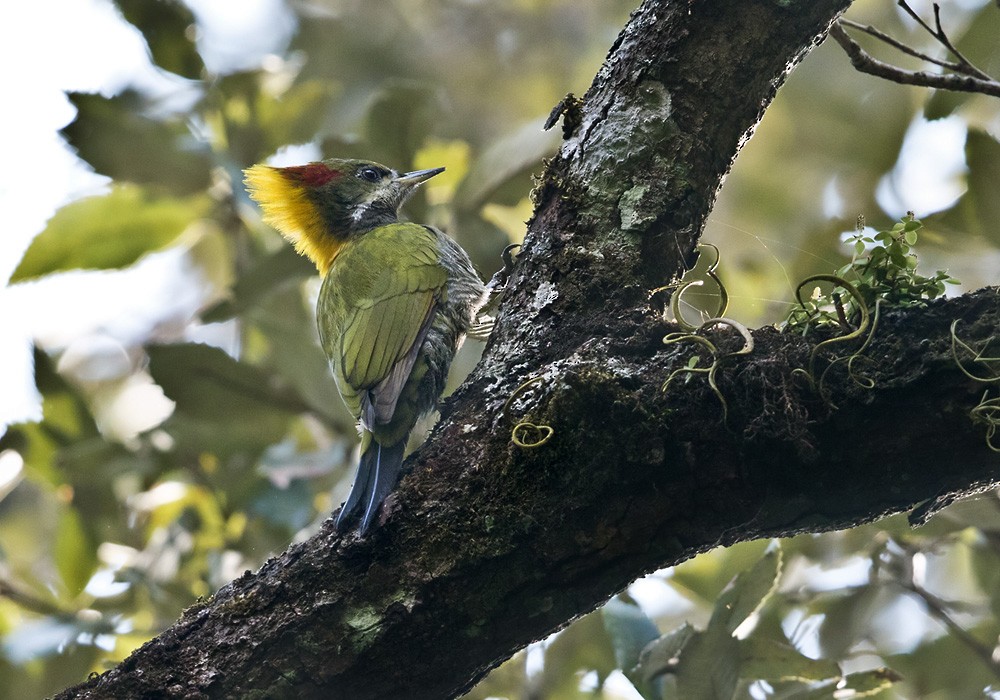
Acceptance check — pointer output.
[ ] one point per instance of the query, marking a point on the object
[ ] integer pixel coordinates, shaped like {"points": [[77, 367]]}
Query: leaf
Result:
{"points": [[75, 555], [290, 508], [984, 565], [846, 618], [630, 631], [166, 26], [295, 115], [92, 466], [942, 667], [772, 660], [109, 231], [399, 120], [660, 656], [748, 591], [709, 666], [583, 646], [270, 274], [511, 157], [222, 405], [297, 356], [707, 575], [980, 205], [255, 113], [709, 662], [115, 136]]}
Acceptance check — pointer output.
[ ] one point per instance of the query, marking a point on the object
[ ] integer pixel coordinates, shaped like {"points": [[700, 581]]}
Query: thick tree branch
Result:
{"points": [[487, 546]]}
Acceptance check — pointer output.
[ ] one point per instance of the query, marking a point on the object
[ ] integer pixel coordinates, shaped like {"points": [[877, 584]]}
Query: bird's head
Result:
{"points": [[320, 206]]}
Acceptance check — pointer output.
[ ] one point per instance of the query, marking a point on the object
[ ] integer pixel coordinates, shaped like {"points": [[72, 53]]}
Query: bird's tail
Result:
{"points": [[378, 472]]}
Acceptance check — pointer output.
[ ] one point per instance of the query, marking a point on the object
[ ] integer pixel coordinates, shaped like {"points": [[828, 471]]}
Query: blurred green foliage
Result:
{"points": [[107, 533]]}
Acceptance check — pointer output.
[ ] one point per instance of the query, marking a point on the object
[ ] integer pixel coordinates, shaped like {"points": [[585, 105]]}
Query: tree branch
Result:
{"points": [[971, 79], [896, 44], [942, 38], [486, 546]]}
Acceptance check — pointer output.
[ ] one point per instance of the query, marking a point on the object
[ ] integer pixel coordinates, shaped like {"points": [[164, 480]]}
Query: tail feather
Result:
{"points": [[361, 487], [378, 472], [388, 462]]}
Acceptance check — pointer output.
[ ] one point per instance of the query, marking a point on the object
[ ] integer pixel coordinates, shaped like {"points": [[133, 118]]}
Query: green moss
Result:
{"points": [[363, 619], [630, 138], [239, 605], [633, 214]]}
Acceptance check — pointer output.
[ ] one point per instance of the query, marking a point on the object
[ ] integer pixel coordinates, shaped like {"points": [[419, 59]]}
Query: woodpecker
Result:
{"points": [[396, 301]]}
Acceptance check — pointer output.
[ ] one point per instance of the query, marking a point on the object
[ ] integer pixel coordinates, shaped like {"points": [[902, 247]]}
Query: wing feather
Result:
{"points": [[373, 327]]}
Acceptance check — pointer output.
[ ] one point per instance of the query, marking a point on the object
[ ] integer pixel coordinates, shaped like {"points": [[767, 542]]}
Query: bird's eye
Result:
{"points": [[370, 174]]}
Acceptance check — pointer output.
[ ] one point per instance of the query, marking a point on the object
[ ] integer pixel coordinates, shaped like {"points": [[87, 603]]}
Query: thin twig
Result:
{"points": [[942, 38], [897, 44], [31, 602], [937, 609], [864, 62]]}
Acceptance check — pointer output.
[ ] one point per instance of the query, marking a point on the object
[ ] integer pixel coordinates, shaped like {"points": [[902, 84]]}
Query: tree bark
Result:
{"points": [[487, 546]]}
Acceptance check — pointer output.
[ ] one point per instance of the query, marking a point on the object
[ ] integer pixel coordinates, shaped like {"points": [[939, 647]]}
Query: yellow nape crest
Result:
{"points": [[286, 206]]}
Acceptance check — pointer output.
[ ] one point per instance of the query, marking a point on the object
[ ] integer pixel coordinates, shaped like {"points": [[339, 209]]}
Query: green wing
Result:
{"points": [[376, 305]]}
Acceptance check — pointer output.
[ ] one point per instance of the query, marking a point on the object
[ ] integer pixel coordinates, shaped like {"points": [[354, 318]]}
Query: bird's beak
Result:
{"points": [[410, 180]]}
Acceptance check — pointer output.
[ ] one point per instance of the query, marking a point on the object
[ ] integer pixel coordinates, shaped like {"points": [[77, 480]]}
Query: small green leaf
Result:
{"points": [[75, 554], [296, 355], [709, 666], [269, 275], [583, 646], [630, 631], [513, 156], [773, 660], [166, 26], [400, 119], [660, 655], [748, 591], [108, 231], [119, 140], [207, 382]]}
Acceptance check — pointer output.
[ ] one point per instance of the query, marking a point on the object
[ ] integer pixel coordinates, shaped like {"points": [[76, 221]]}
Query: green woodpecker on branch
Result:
{"points": [[395, 303]]}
